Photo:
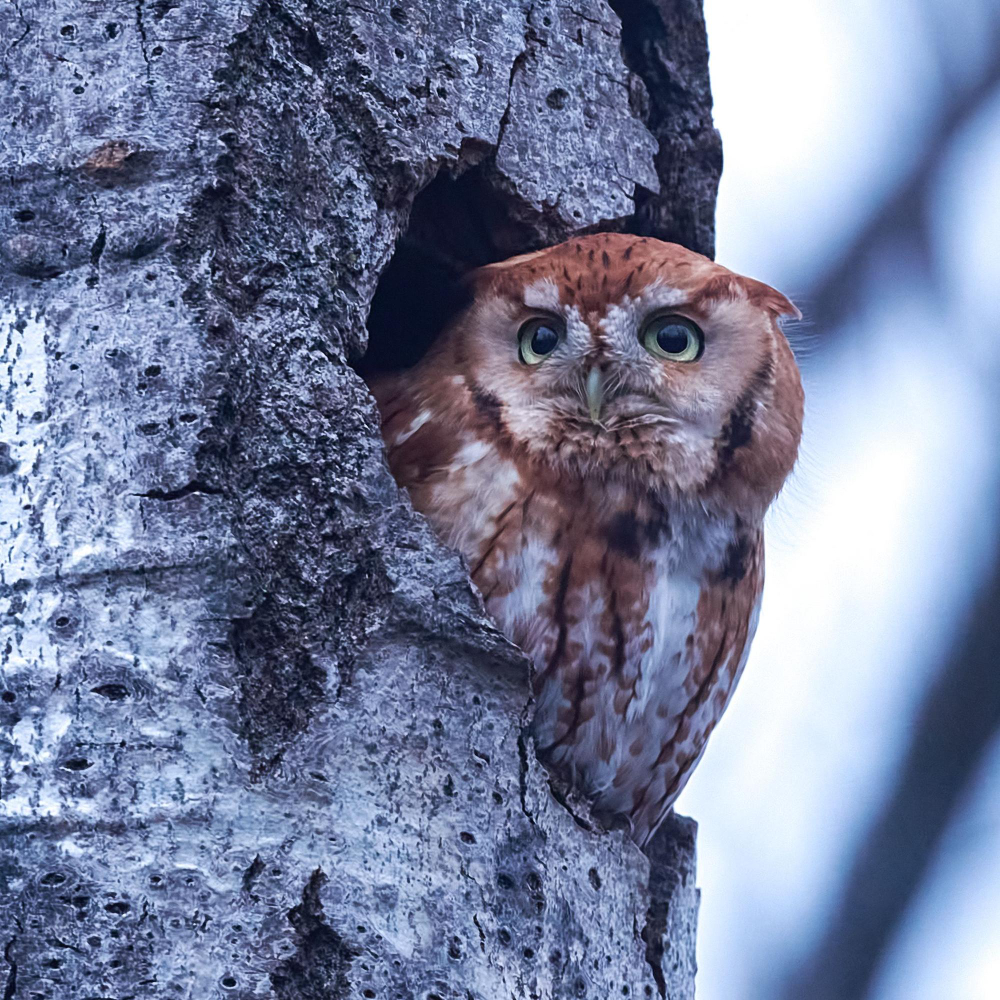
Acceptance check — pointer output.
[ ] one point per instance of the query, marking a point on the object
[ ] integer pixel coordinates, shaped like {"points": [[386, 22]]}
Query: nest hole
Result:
{"points": [[456, 223]]}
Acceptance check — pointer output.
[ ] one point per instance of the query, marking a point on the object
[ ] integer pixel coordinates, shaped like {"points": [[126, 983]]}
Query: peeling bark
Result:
{"points": [[259, 738]]}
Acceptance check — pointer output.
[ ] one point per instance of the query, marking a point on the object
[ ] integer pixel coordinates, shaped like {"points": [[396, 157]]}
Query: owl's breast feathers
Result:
{"points": [[636, 613]]}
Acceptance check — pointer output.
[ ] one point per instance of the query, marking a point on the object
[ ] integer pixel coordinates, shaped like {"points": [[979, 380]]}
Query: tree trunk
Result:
{"points": [[260, 739]]}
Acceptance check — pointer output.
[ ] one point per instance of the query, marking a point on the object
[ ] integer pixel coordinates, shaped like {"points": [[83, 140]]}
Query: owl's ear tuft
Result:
{"points": [[769, 298]]}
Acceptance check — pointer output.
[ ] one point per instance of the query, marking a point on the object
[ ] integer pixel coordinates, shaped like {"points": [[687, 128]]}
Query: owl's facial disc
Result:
{"points": [[616, 356]]}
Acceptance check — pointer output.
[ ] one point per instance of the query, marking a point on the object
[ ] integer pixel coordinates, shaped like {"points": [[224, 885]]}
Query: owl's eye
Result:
{"points": [[674, 338], [538, 338]]}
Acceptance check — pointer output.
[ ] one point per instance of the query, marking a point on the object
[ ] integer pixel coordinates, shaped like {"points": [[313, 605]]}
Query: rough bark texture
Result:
{"points": [[259, 738]]}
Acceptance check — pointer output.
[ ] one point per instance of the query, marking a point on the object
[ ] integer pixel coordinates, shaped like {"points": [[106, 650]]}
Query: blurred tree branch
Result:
{"points": [[903, 216], [957, 723], [960, 715]]}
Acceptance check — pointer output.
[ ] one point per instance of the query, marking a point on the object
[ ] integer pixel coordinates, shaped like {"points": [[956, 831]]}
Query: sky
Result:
{"points": [[878, 541]]}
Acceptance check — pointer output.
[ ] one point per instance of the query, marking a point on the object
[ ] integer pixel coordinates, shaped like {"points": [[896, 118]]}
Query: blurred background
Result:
{"points": [[850, 802]]}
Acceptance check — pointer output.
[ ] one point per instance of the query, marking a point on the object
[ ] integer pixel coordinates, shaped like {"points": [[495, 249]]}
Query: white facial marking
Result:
{"points": [[660, 295], [623, 318], [579, 337], [542, 294]]}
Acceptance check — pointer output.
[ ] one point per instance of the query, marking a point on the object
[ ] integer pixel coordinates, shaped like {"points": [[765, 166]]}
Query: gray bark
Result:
{"points": [[259, 738]]}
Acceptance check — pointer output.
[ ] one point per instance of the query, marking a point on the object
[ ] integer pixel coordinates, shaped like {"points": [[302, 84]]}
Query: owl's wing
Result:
{"points": [[703, 712], [728, 612]]}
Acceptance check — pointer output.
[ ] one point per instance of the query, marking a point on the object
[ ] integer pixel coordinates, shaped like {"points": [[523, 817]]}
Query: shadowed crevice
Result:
{"points": [[320, 966], [665, 44]]}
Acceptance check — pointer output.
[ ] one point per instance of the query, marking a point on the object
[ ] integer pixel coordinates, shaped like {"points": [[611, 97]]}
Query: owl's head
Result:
{"points": [[634, 359]]}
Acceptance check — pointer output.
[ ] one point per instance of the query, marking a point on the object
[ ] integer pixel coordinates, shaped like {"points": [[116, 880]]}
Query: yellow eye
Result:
{"points": [[538, 338], [673, 338]]}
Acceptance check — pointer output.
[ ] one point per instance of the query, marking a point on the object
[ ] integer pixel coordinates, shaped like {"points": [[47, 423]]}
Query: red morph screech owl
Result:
{"points": [[600, 434]]}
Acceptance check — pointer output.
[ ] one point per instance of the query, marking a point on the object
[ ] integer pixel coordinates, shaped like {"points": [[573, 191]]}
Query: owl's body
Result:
{"points": [[608, 497]]}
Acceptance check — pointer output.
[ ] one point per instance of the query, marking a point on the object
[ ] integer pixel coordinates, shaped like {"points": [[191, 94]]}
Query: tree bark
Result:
{"points": [[260, 739]]}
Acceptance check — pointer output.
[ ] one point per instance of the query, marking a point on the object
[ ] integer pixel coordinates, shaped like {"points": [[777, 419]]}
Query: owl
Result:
{"points": [[600, 433]]}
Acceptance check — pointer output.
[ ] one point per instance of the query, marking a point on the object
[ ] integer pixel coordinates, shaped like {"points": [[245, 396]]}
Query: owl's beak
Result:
{"points": [[595, 393]]}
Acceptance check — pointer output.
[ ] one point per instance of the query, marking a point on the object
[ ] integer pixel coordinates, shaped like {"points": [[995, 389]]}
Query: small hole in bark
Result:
{"points": [[24, 215], [113, 692], [504, 935], [80, 902], [94, 941], [112, 30], [68, 31], [8, 696], [77, 764], [78, 89], [153, 370], [399, 15], [229, 982], [557, 98], [157, 50], [595, 879], [467, 838], [53, 878], [399, 53], [118, 908]]}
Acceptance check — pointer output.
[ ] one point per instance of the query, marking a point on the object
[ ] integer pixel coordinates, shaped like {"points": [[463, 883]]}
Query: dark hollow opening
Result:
{"points": [[456, 224]]}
